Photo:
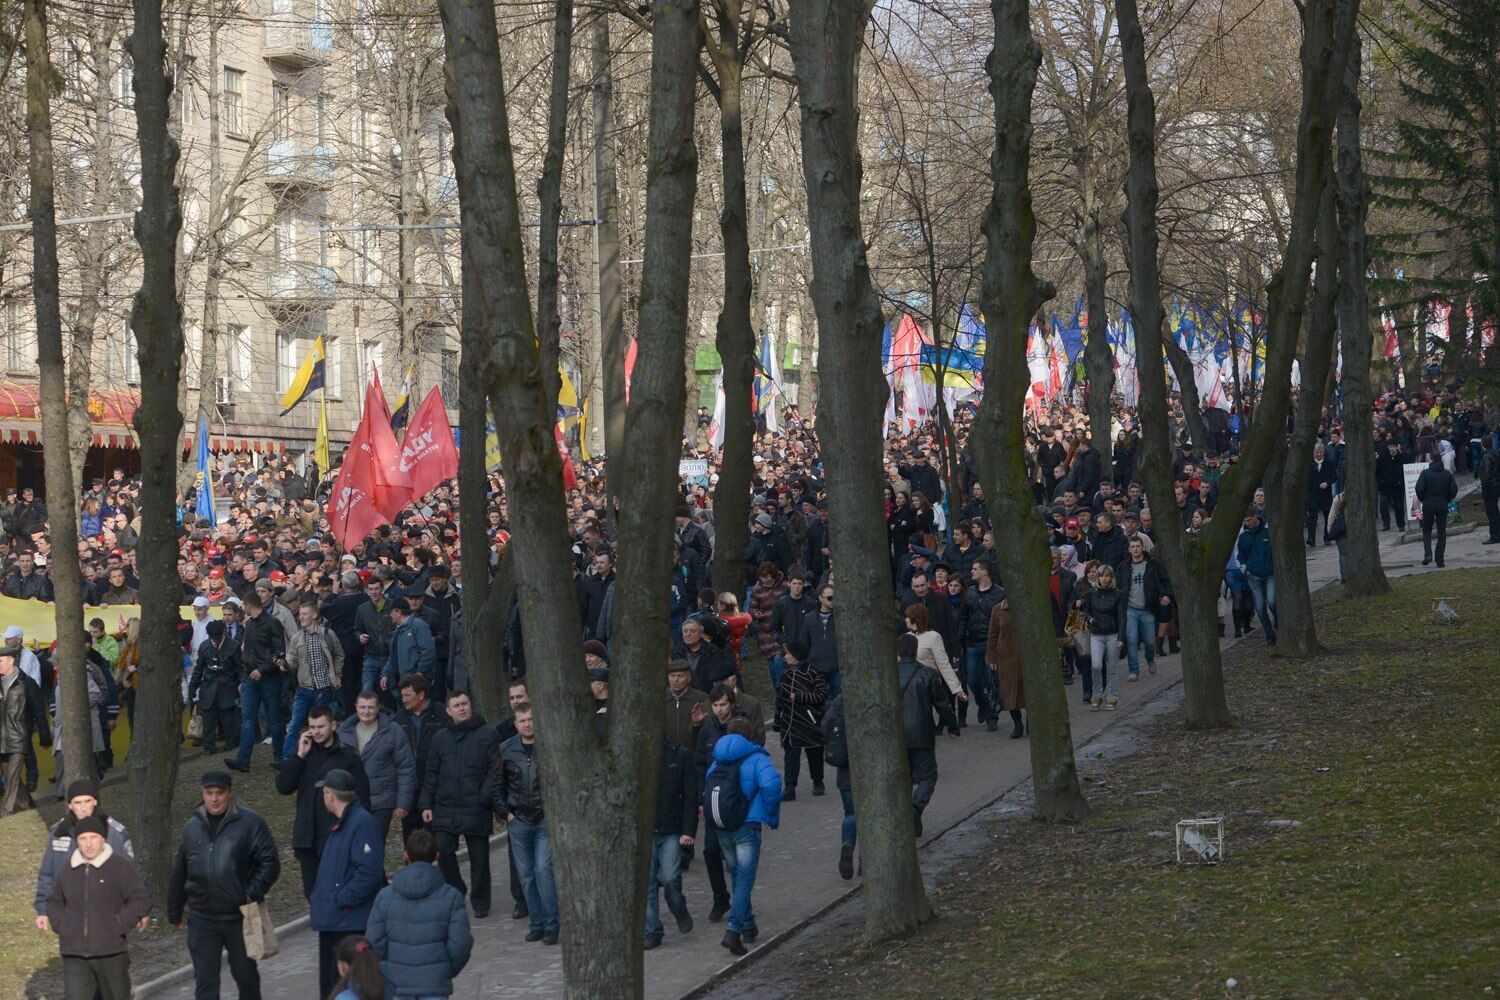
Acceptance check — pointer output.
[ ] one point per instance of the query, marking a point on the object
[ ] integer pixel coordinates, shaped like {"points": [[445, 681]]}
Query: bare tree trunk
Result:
{"points": [[826, 36], [1012, 295], [1195, 564], [607, 231], [483, 646], [549, 196], [598, 796], [736, 335], [156, 318], [62, 506], [1296, 634], [1192, 406], [1365, 575], [1098, 359], [807, 372]]}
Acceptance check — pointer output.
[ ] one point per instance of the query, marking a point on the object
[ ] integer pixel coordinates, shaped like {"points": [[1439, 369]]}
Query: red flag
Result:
{"points": [[352, 513], [630, 353], [427, 451], [392, 489], [570, 477]]}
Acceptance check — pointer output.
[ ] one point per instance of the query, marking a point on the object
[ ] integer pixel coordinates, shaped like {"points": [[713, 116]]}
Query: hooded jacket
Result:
{"points": [[759, 779], [420, 932], [389, 762]]}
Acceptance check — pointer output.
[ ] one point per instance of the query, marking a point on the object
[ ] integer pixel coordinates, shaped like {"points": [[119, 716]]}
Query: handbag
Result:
{"points": [[1075, 622], [259, 932], [195, 725]]}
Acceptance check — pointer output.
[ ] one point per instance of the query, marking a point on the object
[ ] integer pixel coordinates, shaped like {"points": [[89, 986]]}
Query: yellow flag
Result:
{"points": [[320, 448]]}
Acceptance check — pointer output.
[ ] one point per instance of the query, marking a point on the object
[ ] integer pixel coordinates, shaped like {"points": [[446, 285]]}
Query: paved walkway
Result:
{"points": [[797, 877]]}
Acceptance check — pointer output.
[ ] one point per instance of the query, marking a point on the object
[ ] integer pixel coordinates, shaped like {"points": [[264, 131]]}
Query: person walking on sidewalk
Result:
{"points": [[22, 713], [319, 751], [518, 797], [1105, 608], [1489, 486], [1148, 597], [742, 767], [263, 662], [836, 752], [922, 693], [351, 872], [418, 926], [1436, 489], [93, 905], [386, 755], [799, 709], [315, 659], [455, 798], [1254, 556], [676, 823], [1003, 655], [227, 858], [83, 802]]}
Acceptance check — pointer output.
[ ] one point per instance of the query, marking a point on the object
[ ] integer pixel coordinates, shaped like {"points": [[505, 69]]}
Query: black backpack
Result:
{"points": [[836, 737], [724, 800]]}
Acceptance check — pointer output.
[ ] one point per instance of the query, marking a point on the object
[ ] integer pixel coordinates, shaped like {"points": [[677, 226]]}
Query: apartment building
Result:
{"points": [[318, 201]]}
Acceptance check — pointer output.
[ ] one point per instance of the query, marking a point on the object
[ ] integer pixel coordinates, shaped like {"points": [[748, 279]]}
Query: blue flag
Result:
{"points": [[205, 508]]}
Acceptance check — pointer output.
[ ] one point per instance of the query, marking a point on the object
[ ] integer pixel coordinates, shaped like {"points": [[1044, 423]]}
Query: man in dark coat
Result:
{"points": [[22, 714], [318, 751], [215, 687], [707, 661], [455, 797], [1390, 483], [1087, 470], [675, 826], [420, 718], [1436, 489], [1321, 477], [227, 858], [354, 872], [418, 927], [923, 477], [95, 901], [822, 643], [922, 693]]}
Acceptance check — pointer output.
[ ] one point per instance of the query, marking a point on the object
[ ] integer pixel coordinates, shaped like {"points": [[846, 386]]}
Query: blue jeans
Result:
{"points": [[776, 666], [1103, 654], [533, 851], [1140, 630], [981, 681], [742, 854], [254, 696], [850, 829], [666, 873], [370, 674], [835, 684], [1263, 590], [302, 703]]}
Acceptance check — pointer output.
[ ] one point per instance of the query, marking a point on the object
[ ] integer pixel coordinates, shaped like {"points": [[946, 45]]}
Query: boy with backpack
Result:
{"points": [[741, 793]]}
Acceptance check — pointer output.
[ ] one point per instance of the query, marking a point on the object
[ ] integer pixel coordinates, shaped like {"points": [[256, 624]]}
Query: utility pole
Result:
{"points": [[607, 236]]}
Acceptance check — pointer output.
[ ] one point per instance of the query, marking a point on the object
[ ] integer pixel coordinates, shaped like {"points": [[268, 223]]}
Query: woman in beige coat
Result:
{"points": [[930, 649], [1003, 654]]}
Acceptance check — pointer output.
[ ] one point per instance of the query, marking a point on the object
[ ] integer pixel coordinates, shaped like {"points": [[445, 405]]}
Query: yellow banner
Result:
{"points": [[39, 621]]}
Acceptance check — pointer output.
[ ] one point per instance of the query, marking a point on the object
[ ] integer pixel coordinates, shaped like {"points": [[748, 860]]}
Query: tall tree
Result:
{"points": [[156, 318], [1365, 576], [62, 505], [607, 234], [599, 791], [826, 36], [1195, 564], [1012, 295], [1296, 634]]}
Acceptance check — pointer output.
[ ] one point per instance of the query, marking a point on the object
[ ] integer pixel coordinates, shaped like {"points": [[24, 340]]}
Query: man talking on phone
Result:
{"points": [[318, 751]]}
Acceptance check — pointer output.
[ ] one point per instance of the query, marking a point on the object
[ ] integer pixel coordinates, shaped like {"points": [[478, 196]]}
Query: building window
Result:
{"points": [[234, 101], [132, 358], [333, 365], [281, 112], [371, 357], [15, 355], [185, 106], [287, 344], [237, 358], [448, 374], [192, 358], [320, 119], [363, 132]]}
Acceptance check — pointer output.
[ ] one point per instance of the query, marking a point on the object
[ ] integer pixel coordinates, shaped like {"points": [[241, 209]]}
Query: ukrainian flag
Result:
{"points": [[308, 378], [205, 505]]}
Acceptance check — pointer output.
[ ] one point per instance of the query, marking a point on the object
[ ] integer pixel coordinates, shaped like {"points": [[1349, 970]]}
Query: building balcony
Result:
{"points": [[291, 283], [299, 44], [292, 162]]}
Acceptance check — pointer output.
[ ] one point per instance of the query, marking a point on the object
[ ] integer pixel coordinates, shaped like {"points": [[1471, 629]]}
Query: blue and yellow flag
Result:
{"points": [[308, 378], [205, 507], [320, 444], [402, 413]]}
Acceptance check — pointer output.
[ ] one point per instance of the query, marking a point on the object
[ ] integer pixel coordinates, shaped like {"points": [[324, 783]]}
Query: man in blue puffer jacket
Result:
{"points": [[761, 783], [350, 873], [419, 927]]}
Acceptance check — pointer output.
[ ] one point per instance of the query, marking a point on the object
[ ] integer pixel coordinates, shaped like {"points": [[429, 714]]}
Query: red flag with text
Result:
{"points": [[352, 513], [428, 454], [392, 483]]}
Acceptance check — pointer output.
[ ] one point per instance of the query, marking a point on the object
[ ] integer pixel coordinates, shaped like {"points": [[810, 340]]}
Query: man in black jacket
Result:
{"points": [[922, 693], [420, 719], [215, 687], [1088, 468], [1321, 477], [593, 585], [1390, 483], [1436, 488], [676, 823], [707, 661], [455, 799], [263, 660], [22, 713], [979, 601], [822, 644], [1107, 543], [227, 858], [318, 752], [26, 582], [517, 794], [923, 478]]}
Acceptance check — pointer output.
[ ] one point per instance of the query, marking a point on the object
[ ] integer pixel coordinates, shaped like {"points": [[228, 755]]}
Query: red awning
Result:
{"points": [[111, 413]]}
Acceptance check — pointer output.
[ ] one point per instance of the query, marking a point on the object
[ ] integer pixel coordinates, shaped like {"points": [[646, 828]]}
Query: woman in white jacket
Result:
{"points": [[930, 649]]}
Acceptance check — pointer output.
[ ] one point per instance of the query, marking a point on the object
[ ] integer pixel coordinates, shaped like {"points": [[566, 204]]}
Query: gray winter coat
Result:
{"points": [[390, 765]]}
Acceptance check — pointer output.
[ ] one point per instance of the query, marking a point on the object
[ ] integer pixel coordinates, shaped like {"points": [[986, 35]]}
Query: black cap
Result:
{"points": [[89, 824], [600, 674], [338, 780], [216, 779], [83, 786], [679, 665]]}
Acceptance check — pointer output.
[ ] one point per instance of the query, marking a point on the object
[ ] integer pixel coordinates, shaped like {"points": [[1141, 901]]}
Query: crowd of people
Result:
{"points": [[348, 669]]}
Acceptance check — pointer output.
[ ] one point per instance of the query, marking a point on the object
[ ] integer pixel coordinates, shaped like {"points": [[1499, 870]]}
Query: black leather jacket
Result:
{"points": [[215, 875], [264, 646], [922, 693], [456, 778], [518, 781]]}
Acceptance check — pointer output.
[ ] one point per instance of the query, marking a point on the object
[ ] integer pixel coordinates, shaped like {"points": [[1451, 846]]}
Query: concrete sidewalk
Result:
{"points": [[797, 876]]}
